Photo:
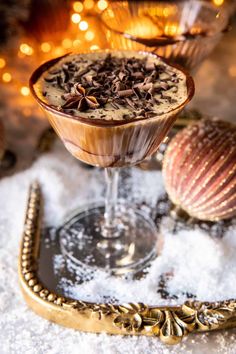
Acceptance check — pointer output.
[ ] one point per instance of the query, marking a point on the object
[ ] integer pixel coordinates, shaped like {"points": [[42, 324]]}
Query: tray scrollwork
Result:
{"points": [[170, 324]]}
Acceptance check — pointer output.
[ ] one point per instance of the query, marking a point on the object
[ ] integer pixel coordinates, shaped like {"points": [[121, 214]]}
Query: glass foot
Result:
{"points": [[128, 249]]}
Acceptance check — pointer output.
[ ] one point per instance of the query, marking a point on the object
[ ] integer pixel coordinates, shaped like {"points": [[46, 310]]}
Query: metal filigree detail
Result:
{"points": [[211, 315], [130, 317], [170, 324]]}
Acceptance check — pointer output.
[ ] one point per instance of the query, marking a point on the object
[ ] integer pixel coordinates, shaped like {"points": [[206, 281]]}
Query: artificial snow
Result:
{"points": [[194, 261]]}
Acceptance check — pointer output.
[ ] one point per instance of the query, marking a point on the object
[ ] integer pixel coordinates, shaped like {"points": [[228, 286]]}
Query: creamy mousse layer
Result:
{"points": [[124, 85]]}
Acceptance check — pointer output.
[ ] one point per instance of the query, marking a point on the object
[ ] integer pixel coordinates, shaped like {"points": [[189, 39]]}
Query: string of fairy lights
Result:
{"points": [[80, 34]]}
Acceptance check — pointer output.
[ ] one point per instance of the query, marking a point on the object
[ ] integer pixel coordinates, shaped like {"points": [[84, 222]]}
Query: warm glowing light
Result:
{"points": [[232, 71], [218, 2], [94, 47], [76, 42], [110, 13], [75, 18], [78, 6], [169, 11], [25, 91], [172, 29], [88, 4], [102, 4], [46, 47], [83, 26], [160, 11], [58, 51], [67, 43], [144, 28], [89, 36], [26, 49], [2, 63], [6, 77], [196, 30]]}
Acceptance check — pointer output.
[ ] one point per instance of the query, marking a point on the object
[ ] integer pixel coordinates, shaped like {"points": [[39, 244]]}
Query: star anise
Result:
{"points": [[79, 99]]}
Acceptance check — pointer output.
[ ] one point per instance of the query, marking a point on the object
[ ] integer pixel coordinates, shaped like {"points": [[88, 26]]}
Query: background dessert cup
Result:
{"points": [[184, 32]]}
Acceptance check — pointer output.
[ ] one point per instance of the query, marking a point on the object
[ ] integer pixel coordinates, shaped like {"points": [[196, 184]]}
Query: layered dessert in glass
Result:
{"points": [[120, 106], [111, 109]]}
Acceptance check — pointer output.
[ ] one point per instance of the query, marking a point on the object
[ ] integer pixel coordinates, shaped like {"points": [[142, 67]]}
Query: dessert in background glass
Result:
{"points": [[111, 109], [185, 32]]}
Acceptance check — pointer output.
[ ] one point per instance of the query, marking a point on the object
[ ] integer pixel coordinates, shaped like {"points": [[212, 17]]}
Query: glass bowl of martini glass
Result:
{"points": [[111, 109], [185, 32]]}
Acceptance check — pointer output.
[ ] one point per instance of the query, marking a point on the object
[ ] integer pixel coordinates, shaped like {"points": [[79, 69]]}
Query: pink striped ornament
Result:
{"points": [[199, 170]]}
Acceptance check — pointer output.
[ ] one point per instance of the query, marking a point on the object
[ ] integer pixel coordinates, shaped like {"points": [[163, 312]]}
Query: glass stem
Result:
{"points": [[111, 176]]}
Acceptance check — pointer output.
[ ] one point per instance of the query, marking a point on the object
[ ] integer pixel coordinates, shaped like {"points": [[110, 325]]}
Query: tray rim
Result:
{"points": [[169, 323]]}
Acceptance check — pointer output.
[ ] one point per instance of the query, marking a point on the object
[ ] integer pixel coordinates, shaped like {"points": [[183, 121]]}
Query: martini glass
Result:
{"points": [[109, 236], [184, 32]]}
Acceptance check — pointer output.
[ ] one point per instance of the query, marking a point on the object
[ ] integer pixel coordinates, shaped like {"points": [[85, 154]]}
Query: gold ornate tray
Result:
{"points": [[171, 324]]}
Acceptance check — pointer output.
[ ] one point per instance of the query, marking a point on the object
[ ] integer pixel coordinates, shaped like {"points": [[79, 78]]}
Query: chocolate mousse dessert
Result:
{"points": [[111, 109]]}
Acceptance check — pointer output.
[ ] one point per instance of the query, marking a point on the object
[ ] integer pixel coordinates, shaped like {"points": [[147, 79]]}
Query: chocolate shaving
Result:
{"points": [[176, 81], [50, 79], [121, 75], [149, 66], [114, 105], [130, 103], [137, 92], [117, 86], [66, 76], [126, 116], [82, 73], [152, 77], [125, 93], [59, 82], [54, 72], [138, 75], [67, 87], [144, 87], [148, 96]]}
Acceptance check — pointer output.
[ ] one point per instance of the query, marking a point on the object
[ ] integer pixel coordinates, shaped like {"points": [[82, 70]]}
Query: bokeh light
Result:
{"points": [[102, 4], [83, 25], [67, 43], [75, 18], [172, 30], [94, 47], [6, 77], [76, 42], [58, 51], [26, 49], [218, 2], [89, 35], [2, 63], [25, 91], [78, 6], [46, 47], [88, 4]]}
